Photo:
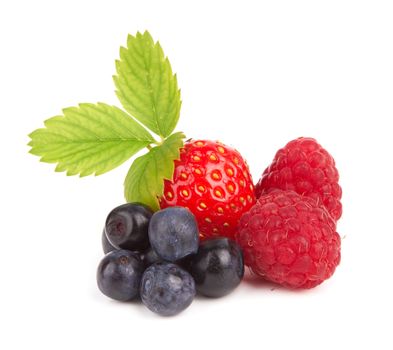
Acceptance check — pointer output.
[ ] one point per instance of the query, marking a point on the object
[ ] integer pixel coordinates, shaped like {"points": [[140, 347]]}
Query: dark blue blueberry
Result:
{"points": [[167, 289], [119, 275], [106, 245], [150, 257], [173, 233], [217, 267], [126, 226]]}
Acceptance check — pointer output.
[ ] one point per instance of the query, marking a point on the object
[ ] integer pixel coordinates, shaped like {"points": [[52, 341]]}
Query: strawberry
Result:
{"points": [[213, 181]]}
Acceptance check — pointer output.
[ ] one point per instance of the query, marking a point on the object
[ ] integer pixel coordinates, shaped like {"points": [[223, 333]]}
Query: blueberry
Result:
{"points": [[119, 274], [173, 233], [127, 225], [106, 245], [167, 289], [150, 257], [217, 267]]}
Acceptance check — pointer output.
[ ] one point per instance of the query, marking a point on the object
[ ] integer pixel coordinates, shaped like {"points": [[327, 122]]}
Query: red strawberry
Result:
{"points": [[213, 181]]}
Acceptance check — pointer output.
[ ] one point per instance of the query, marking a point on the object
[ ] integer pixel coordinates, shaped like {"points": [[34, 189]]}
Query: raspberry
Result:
{"points": [[212, 180], [289, 239], [305, 167]]}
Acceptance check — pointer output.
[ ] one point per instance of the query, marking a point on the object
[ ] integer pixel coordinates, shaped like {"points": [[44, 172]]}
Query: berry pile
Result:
{"points": [[157, 257], [192, 205], [288, 235]]}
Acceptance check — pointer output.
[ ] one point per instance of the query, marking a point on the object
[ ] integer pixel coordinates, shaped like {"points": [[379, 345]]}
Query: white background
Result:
{"points": [[253, 75]]}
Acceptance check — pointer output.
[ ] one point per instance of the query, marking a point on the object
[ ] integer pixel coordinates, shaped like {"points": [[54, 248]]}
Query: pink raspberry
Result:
{"points": [[289, 239], [305, 167]]}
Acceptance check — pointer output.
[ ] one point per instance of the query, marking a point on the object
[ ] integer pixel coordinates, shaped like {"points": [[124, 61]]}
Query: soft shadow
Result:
{"points": [[254, 280]]}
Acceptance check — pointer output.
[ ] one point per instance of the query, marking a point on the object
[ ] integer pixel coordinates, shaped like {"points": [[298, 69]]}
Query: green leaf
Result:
{"points": [[145, 179], [90, 138], [146, 86]]}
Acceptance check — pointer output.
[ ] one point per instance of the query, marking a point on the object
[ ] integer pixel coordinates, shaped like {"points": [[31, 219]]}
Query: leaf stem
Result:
{"points": [[156, 143]]}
